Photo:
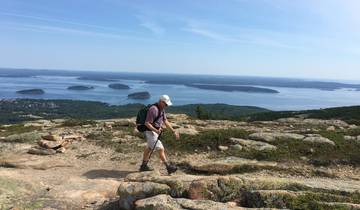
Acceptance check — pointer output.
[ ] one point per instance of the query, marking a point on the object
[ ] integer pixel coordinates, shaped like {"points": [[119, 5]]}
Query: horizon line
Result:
{"points": [[184, 74]]}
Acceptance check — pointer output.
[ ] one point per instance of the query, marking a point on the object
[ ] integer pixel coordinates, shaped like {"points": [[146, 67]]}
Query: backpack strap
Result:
{"points": [[159, 112]]}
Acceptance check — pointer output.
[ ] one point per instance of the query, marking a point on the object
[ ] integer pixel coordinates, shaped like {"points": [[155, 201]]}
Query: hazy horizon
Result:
{"points": [[192, 74], [262, 38]]}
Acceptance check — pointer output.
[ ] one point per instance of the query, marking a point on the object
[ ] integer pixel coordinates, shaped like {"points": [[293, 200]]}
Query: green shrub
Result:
{"points": [[203, 141], [77, 122]]}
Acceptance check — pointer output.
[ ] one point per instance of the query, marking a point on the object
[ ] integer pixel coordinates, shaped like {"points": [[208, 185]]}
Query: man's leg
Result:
{"points": [[170, 168], [144, 166], [151, 138], [162, 155], [146, 154]]}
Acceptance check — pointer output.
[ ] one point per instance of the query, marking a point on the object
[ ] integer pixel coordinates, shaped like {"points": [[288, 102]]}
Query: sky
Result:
{"points": [[277, 38]]}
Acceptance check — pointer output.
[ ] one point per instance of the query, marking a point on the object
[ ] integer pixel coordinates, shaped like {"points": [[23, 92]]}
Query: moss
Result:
{"points": [[16, 129], [210, 139], [297, 201], [344, 152], [29, 137]]}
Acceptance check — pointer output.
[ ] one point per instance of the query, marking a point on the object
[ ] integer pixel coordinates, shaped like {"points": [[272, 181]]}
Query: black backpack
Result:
{"points": [[141, 117]]}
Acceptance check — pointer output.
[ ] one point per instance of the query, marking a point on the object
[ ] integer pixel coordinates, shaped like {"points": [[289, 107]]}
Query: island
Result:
{"points": [[119, 86], [31, 92], [80, 87], [230, 88], [139, 95], [99, 79]]}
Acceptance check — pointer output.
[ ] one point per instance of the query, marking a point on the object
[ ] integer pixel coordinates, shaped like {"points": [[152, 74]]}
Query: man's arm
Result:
{"points": [[152, 128], [168, 124]]}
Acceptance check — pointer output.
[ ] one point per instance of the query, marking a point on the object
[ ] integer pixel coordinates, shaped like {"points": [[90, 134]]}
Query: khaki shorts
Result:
{"points": [[151, 138]]}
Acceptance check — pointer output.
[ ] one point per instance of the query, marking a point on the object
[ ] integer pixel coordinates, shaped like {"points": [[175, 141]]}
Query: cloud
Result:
{"points": [[210, 34], [64, 30], [151, 25], [55, 20], [244, 36]]}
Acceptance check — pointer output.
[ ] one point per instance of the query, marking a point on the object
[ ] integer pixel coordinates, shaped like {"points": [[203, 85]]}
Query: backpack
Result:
{"points": [[141, 117]]}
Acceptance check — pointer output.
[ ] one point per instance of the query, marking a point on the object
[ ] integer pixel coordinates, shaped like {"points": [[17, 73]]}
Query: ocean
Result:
{"points": [[55, 85]]}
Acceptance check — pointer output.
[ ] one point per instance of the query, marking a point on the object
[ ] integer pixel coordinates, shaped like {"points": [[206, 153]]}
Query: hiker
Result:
{"points": [[155, 119]]}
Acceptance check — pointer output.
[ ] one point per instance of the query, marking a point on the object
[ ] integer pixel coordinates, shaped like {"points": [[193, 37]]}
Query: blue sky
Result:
{"points": [[285, 38]]}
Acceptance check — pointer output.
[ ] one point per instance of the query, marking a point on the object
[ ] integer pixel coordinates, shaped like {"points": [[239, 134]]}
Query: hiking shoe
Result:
{"points": [[171, 169], [145, 168]]}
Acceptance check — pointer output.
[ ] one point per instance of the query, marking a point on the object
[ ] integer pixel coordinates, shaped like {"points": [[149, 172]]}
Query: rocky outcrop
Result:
{"points": [[270, 137], [256, 192], [316, 138], [166, 202], [228, 165], [352, 138], [253, 145], [314, 122], [129, 192]]}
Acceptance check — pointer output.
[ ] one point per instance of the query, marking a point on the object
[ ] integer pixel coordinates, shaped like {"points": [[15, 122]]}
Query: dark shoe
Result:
{"points": [[171, 169], [145, 168]]}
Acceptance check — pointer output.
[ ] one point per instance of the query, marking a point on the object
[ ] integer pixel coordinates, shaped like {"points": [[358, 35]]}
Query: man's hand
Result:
{"points": [[177, 135], [158, 131]]}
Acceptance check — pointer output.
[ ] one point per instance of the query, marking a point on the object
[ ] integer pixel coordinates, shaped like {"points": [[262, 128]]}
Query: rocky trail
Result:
{"points": [[292, 163]]}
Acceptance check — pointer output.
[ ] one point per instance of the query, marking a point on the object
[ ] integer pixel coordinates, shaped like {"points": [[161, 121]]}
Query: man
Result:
{"points": [[154, 123]]}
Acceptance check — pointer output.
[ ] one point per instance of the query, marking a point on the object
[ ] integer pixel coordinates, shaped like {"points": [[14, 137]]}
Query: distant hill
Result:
{"points": [[18, 110], [13, 111], [350, 114], [230, 88]]}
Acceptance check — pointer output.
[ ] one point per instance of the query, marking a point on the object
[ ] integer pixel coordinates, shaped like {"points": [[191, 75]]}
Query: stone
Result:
{"points": [[222, 189], [315, 138], [41, 151], [350, 138], [223, 148], [166, 202], [48, 144], [189, 130], [236, 147], [129, 192], [51, 137], [179, 183], [331, 128], [255, 145], [275, 198], [352, 126], [270, 137], [228, 165]]}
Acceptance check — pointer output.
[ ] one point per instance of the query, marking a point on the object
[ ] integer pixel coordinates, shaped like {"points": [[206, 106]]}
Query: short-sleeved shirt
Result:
{"points": [[152, 115]]}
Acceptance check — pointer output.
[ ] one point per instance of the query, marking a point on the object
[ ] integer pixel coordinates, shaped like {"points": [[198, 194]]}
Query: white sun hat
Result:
{"points": [[166, 99]]}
